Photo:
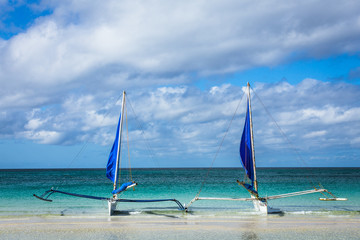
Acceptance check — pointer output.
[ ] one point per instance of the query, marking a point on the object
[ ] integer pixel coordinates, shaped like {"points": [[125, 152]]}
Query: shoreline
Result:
{"points": [[171, 226]]}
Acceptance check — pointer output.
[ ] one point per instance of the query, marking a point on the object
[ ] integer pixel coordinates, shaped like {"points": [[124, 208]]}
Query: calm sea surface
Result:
{"points": [[18, 186]]}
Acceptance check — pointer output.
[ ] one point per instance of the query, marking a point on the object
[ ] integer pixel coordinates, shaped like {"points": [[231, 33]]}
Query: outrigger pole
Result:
{"points": [[45, 197]]}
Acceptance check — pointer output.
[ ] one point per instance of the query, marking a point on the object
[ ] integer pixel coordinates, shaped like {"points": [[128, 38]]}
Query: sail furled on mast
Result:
{"points": [[246, 148], [111, 165]]}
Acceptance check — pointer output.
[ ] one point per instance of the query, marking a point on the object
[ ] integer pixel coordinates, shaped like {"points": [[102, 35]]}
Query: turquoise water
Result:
{"points": [[18, 186]]}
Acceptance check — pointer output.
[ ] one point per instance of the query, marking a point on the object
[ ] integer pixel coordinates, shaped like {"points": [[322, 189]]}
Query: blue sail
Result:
{"points": [[111, 165], [123, 187], [246, 149]]}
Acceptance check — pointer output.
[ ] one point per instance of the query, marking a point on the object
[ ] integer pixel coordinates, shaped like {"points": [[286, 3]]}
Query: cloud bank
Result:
{"points": [[61, 76], [186, 123], [120, 42]]}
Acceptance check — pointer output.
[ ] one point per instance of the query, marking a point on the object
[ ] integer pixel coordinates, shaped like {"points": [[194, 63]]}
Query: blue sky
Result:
{"points": [[184, 65]]}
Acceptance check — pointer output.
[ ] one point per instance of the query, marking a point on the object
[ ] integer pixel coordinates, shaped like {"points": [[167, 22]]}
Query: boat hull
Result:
{"points": [[112, 207], [263, 207]]}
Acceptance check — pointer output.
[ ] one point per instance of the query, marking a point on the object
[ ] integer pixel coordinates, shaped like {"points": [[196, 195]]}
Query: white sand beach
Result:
{"points": [[180, 227]]}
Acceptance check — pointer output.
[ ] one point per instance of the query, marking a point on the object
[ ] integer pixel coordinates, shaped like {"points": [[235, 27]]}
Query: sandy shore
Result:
{"points": [[180, 227]]}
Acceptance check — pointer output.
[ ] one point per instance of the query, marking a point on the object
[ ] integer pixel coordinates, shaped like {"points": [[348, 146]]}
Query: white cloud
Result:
{"points": [[34, 124], [330, 114], [72, 64], [315, 134], [217, 89], [160, 37], [186, 117], [186, 123], [43, 137], [325, 114]]}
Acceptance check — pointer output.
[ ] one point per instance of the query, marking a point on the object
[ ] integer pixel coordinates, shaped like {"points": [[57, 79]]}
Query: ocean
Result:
{"points": [[18, 186]]}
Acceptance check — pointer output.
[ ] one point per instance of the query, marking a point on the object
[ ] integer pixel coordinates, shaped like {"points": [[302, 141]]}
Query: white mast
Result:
{"points": [[252, 139], [118, 156]]}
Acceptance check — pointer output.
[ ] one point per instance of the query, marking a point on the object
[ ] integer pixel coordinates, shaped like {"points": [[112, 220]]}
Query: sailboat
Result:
{"points": [[247, 155], [112, 172]]}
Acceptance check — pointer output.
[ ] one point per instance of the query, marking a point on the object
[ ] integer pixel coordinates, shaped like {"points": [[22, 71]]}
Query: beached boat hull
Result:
{"points": [[263, 207], [112, 207]]}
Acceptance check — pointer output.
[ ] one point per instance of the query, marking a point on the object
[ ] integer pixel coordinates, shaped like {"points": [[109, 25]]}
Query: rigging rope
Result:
{"points": [[127, 134], [218, 150], [285, 137], [147, 144], [86, 143]]}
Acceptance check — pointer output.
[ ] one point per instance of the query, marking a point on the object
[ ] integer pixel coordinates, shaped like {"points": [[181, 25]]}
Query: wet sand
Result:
{"points": [[185, 226]]}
